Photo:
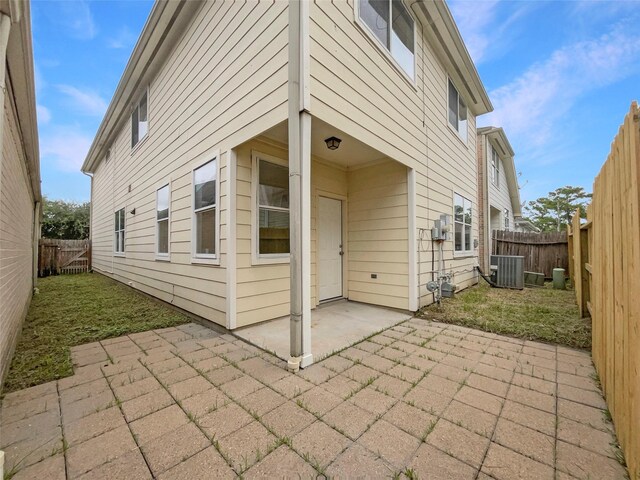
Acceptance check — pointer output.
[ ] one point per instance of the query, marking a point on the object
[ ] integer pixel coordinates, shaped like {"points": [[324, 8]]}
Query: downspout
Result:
{"points": [[488, 241], [299, 186], [90, 218], [37, 218]]}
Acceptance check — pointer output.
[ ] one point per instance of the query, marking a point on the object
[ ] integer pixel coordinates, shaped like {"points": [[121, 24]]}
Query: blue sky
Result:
{"points": [[80, 49], [561, 76]]}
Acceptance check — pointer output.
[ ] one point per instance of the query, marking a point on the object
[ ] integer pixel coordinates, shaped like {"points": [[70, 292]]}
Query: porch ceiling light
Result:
{"points": [[332, 143]]}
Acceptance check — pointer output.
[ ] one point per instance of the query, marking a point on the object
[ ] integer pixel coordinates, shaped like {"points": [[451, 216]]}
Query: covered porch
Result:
{"points": [[325, 241], [334, 326]]}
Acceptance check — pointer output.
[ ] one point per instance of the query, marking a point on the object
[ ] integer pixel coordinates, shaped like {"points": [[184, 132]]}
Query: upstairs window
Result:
{"points": [[457, 112], [495, 167], [506, 219], [205, 179], [273, 208], [162, 221], [139, 121], [397, 35], [462, 221], [118, 237]]}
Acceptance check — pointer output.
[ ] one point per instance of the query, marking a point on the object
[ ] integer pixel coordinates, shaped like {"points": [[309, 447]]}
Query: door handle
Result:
{"points": [[341, 251]]}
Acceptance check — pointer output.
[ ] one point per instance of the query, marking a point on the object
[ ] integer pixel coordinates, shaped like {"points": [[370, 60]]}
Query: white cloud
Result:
{"points": [[43, 113], [86, 101], [124, 39], [66, 148], [488, 27], [473, 21], [76, 19], [532, 106]]}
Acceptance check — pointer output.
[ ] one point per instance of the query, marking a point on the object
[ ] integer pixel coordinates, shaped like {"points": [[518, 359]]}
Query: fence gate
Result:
{"points": [[57, 257]]}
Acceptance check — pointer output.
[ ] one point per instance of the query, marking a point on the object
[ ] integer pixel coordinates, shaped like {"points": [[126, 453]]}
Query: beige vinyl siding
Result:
{"points": [[378, 231], [263, 289], [16, 237], [224, 82], [356, 88]]}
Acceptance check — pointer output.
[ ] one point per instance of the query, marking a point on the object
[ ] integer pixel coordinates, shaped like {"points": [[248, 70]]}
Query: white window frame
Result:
{"points": [[464, 139], [495, 165], [136, 106], [507, 223], [205, 258], [383, 48], [256, 257], [123, 230], [163, 256], [464, 252]]}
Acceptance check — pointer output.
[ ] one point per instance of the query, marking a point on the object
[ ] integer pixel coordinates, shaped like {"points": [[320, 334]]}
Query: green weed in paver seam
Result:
{"points": [[285, 441], [429, 429], [541, 314], [76, 309], [411, 474], [618, 453], [607, 415]]}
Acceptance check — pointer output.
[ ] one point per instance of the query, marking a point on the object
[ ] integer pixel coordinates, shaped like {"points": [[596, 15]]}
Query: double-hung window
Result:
{"points": [[506, 219], [457, 112], [273, 208], [118, 236], [162, 221], [495, 167], [205, 187], [139, 121], [393, 26], [462, 221]]}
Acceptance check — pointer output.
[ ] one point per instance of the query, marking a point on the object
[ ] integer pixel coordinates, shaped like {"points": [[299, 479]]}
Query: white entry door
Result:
{"points": [[329, 248]]}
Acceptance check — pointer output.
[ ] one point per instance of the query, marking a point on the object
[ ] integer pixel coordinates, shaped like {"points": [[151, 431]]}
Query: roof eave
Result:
{"points": [[166, 20], [21, 70], [445, 37], [498, 135]]}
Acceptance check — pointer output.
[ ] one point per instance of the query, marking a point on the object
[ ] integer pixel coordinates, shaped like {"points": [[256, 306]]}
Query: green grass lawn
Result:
{"points": [[75, 309], [541, 314]]}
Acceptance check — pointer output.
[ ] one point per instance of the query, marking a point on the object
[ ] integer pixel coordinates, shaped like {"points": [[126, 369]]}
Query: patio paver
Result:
{"points": [[420, 398]]}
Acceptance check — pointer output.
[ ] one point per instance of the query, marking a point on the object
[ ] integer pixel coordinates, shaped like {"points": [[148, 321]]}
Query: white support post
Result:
{"points": [[414, 282], [299, 187]]}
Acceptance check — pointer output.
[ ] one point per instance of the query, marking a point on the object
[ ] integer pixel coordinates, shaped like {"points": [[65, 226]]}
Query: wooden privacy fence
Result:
{"points": [[63, 256], [606, 258], [542, 252]]}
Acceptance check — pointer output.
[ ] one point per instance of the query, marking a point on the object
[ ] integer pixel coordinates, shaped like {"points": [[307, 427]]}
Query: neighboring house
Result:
{"points": [[218, 153], [525, 225], [498, 191], [19, 176]]}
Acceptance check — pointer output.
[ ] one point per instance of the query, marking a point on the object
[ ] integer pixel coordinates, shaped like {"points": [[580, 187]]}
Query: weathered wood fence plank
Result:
{"points": [[607, 268], [63, 256], [542, 252]]}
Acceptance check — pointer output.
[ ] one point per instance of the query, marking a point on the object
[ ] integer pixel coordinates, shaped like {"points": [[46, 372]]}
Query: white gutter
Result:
{"points": [[445, 38]]}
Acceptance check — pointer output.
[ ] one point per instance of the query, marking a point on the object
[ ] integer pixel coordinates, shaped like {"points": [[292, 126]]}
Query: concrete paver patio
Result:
{"points": [[419, 399]]}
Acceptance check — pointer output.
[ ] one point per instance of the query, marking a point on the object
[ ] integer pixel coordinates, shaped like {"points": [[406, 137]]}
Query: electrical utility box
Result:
{"points": [[441, 228]]}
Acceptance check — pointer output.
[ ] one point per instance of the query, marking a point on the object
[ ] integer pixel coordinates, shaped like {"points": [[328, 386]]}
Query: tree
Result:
{"points": [[65, 220], [554, 212]]}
